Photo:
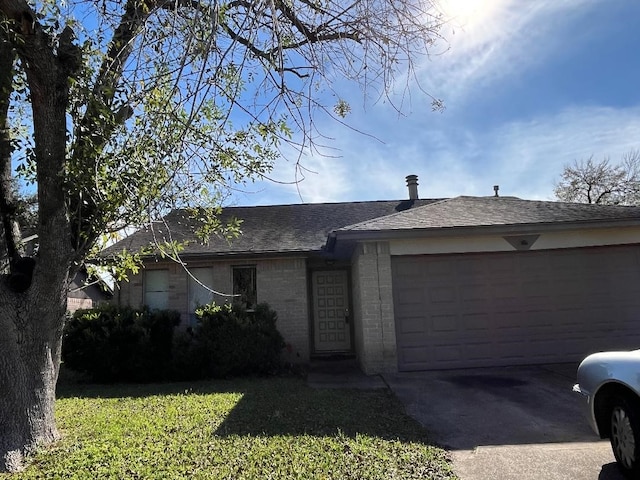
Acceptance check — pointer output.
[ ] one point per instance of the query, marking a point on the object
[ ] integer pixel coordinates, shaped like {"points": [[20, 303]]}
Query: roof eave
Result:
{"points": [[244, 254]]}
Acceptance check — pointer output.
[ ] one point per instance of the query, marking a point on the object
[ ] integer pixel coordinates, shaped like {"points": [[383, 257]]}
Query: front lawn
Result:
{"points": [[276, 428]]}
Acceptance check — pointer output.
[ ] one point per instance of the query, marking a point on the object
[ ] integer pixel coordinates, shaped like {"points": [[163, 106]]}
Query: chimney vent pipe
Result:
{"points": [[412, 185]]}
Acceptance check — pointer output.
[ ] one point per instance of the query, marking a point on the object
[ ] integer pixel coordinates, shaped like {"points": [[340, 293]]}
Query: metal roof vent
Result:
{"points": [[412, 185]]}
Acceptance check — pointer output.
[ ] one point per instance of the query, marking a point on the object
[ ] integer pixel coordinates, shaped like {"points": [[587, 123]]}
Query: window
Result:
{"points": [[156, 288], [244, 286], [199, 289]]}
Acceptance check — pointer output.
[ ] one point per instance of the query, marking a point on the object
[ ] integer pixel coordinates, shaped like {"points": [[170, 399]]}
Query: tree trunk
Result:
{"points": [[31, 324], [32, 309]]}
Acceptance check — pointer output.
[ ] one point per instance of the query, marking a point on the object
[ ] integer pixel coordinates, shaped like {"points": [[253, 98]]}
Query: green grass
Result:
{"points": [[276, 428]]}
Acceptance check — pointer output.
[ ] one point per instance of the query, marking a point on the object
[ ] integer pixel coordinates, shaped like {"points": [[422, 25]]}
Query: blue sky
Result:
{"points": [[529, 86]]}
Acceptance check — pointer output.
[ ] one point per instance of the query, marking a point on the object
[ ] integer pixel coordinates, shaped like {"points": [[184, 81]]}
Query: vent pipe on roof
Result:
{"points": [[412, 185], [495, 189]]}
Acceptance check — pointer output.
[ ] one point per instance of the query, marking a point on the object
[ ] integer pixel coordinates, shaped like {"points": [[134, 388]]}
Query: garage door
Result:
{"points": [[455, 311]]}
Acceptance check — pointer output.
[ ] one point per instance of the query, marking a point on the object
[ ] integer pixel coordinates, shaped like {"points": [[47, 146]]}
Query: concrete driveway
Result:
{"points": [[521, 423]]}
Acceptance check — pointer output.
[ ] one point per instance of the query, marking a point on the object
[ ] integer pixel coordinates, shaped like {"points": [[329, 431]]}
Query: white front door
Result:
{"points": [[332, 331]]}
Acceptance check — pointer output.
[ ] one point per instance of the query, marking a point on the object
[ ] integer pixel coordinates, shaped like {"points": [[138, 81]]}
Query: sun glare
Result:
{"points": [[467, 12]]}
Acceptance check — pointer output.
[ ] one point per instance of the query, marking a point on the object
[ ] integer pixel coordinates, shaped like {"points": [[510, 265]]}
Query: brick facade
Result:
{"points": [[283, 284], [373, 308], [280, 282]]}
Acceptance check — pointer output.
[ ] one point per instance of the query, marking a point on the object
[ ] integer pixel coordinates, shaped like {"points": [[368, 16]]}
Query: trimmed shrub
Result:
{"points": [[113, 344], [229, 341]]}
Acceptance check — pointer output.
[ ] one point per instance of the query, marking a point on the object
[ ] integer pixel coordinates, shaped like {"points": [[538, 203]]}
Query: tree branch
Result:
{"points": [[10, 228], [47, 76]]}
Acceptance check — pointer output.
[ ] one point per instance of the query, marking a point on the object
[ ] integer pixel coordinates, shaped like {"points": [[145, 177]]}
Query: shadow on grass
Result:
{"points": [[141, 390], [282, 407], [305, 411]]}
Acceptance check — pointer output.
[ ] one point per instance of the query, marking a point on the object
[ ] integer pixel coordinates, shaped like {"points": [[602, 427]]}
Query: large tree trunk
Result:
{"points": [[33, 299], [31, 325]]}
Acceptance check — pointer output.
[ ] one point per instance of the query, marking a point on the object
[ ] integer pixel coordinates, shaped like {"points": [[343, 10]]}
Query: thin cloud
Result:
{"points": [[454, 153], [512, 38]]}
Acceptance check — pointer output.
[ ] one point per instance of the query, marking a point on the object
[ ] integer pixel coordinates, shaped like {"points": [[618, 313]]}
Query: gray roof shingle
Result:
{"points": [[305, 227], [265, 229], [464, 211]]}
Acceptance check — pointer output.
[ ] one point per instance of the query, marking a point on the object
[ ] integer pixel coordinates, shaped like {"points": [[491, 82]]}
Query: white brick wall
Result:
{"points": [[282, 283], [373, 308]]}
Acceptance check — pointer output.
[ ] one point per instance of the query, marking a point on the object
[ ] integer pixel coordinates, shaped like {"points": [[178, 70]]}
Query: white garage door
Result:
{"points": [[468, 310]]}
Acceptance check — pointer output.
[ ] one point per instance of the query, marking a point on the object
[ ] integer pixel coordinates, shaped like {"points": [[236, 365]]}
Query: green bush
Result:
{"points": [[113, 344], [229, 341]]}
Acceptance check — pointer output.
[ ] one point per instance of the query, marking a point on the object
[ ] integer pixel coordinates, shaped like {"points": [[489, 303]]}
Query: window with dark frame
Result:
{"points": [[244, 286], [156, 288]]}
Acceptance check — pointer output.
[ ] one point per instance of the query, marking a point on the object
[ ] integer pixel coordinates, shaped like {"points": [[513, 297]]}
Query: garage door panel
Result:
{"points": [[479, 351], [534, 266], [448, 353], [441, 268], [444, 324], [502, 266], [471, 267], [411, 296], [475, 321], [473, 292], [505, 291], [544, 348], [412, 326], [627, 291], [416, 357], [439, 294], [511, 349], [515, 308]]}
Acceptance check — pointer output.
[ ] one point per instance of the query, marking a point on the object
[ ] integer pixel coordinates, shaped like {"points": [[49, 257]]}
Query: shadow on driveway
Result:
{"points": [[508, 422]]}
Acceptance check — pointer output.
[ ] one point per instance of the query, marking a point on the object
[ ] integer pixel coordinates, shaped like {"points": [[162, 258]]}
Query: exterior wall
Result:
{"points": [[281, 282], [74, 304], [375, 336], [496, 243], [129, 292]]}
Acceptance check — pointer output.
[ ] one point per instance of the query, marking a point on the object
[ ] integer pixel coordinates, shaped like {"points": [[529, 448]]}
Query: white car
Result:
{"points": [[610, 381]]}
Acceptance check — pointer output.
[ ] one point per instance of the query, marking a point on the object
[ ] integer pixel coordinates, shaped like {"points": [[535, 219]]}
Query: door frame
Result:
{"points": [[312, 313]]}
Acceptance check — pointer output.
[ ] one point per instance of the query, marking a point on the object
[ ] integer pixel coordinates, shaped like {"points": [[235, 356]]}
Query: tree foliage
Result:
{"points": [[116, 111], [172, 99], [601, 182]]}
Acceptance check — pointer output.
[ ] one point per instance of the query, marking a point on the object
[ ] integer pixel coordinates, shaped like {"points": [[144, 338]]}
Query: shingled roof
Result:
{"points": [[267, 229], [461, 212], [299, 228]]}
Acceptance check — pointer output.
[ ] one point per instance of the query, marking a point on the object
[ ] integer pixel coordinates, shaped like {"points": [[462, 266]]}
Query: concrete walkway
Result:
{"points": [[545, 461]]}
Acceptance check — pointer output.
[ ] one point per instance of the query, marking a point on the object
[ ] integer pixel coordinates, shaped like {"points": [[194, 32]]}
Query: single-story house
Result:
{"points": [[416, 284]]}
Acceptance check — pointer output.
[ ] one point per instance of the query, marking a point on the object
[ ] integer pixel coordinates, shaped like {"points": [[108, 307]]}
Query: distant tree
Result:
{"points": [[604, 183]]}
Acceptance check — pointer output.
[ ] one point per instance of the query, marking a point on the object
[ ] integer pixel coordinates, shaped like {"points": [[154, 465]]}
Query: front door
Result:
{"points": [[332, 331]]}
